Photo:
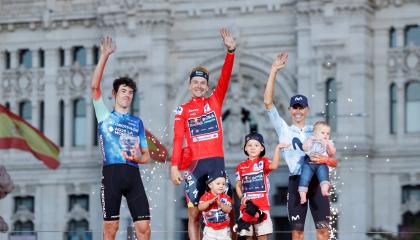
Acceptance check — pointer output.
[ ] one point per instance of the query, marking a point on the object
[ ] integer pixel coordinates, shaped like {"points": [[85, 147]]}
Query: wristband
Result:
{"points": [[231, 50]]}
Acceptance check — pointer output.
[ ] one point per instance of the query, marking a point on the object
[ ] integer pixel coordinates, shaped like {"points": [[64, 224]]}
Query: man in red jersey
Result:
{"points": [[200, 122]]}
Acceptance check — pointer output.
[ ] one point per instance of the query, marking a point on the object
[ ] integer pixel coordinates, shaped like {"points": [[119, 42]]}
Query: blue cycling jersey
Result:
{"points": [[117, 133], [294, 156]]}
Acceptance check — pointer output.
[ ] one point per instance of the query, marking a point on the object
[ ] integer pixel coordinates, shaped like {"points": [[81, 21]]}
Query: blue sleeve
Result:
{"points": [[278, 123], [101, 111], [142, 136]]}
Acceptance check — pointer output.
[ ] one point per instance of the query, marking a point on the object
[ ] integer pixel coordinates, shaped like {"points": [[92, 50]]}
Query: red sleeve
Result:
{"points": [[266, 165], [238, 174], [179, 125], [332, 162], [203, 198], [223, 83]]}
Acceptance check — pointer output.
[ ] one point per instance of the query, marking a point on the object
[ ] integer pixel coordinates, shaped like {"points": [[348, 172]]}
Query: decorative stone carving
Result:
{"points": [[23, 214], [78, 213], [235, 129], [404, 62], [412, 60]]}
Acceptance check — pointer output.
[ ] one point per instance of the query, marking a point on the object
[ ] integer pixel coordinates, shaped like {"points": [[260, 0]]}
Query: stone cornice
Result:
{"points": [[210, 9], [381, 4], [326, 8]]}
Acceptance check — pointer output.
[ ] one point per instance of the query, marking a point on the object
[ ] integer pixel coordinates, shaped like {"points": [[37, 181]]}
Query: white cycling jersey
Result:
{"points": [[294, 156]]}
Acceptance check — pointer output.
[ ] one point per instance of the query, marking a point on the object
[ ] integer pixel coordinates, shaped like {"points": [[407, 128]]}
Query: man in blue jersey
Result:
{"points": [[124, 146], [295, 135]]}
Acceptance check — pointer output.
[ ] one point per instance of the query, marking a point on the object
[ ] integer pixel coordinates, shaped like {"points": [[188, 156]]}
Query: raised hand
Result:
{"points": [[107, 46], [228, 40], [280, 61]]}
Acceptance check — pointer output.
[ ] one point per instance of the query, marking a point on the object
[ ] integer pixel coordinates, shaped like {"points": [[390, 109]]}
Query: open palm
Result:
{"points": [[107, 46], [280, 61], [228, 40]]}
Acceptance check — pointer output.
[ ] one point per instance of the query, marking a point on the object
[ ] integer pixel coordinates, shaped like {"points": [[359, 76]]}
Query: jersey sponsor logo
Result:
{"points": [[295, 218], [103, 199], [225, 201], [254, 196], [253, 182], [258, 166], [178, 110], [216, 216], [204, 127], [207, 108], [205, 137], [296, 143], [193, 110]]}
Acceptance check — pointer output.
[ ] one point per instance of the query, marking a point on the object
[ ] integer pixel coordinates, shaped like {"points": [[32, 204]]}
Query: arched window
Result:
{"points": [[95, 54], [392, 38], [25, 204], [61, 123], [62, 57], [41, 56], [79, 55], [331, 99], [7, 60], [393, 108], [79, 122], [41, 116], [412, 107], [412, 35], [25, 58], [25, 110]]}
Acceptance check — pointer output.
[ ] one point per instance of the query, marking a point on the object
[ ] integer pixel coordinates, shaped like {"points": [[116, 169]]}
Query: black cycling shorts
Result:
{"points": [[123, 180], [195, 179], [319, 205]]}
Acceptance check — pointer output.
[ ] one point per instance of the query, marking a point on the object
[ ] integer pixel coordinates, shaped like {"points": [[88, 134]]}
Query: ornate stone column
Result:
{"points": [[51, 109]]}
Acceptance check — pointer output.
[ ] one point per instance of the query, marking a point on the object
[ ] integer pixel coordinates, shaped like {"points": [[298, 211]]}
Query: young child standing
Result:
{"points": [[252, 181], [318, 144], [216, 206]]}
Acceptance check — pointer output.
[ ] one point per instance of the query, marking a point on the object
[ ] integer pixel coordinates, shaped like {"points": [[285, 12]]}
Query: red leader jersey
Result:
{"points": [[200, 121], [253, 174]]}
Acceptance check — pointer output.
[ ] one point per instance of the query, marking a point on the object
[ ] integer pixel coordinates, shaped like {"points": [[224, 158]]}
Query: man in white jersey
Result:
{"points": [[295, 135]]}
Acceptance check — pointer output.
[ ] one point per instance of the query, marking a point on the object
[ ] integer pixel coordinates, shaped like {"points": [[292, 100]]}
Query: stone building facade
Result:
{"points": [[356, 60]]}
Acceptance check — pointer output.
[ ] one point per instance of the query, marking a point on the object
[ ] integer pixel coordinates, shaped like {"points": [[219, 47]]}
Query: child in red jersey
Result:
{"points": [[252, 181], [216, 206]]}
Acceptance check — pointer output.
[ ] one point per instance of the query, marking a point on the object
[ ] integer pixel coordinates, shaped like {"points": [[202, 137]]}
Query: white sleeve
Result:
{"points": [[278, 123]]}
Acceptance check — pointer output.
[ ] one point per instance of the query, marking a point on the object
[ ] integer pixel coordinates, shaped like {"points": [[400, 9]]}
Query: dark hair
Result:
{"points": [[124, 81]]}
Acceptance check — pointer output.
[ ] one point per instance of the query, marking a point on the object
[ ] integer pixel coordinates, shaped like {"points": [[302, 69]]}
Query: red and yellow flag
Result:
{"points": [[157, 151], [15, 132]]}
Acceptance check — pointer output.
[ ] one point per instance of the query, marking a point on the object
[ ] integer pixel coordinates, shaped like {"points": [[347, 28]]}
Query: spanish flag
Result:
{"points": [[15, 132], [158, 152]]}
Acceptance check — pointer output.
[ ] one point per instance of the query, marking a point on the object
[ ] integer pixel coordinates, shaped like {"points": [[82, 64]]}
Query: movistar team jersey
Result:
{"points": [[294, 156], [117, 133]]}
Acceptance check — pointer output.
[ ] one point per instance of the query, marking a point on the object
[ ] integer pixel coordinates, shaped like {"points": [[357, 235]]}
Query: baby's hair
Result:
{"points": [[320, 124]]}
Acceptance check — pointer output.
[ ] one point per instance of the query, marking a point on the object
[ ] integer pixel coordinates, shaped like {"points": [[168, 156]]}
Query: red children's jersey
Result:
{"points": [[253, 175], [200, 121], [214, 216]]}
